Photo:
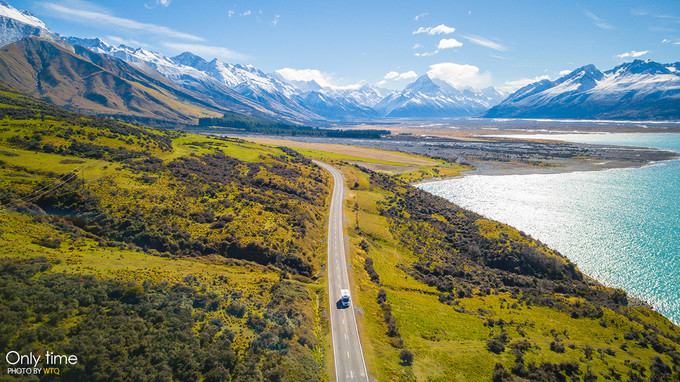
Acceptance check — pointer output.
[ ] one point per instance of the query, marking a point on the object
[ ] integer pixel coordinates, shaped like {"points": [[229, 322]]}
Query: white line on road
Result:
{"points": [[337, 263]]}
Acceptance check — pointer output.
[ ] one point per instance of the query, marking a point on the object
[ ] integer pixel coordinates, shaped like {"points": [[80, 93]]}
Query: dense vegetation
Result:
{"points": [[157, 254], [260, 126], [221, 196], [133, 331]]}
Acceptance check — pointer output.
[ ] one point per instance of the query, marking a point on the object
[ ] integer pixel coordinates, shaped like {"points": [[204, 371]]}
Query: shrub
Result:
{"points": [[557, 346], [368, 266], [495, 346], [406, 357], [500, 374]]}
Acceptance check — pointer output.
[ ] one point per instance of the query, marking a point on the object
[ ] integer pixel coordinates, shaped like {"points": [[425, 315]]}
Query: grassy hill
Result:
{"points": [[146, 252], [177, 256]]}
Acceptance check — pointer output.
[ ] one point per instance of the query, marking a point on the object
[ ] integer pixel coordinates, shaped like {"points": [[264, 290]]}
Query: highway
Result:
{"points": [[347, 352]]}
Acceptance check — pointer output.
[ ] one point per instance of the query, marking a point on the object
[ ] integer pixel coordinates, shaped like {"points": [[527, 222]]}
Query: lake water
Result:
{"points": [[619, 226]]}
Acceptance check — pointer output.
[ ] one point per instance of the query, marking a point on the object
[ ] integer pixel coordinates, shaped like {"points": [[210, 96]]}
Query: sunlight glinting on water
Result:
{"points": [[621, 226]]}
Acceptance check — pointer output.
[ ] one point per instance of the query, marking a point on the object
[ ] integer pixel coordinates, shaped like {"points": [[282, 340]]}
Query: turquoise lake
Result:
{"points": [[620, 226]]}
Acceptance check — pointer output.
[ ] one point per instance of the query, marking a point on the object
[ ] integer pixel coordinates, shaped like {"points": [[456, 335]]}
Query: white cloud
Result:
{"points": [[156, 3], [276, 19], [632, 54], [205, 50], [134, 43], [598, 21], [439, 29], [426, 54], [447, 43], [420, 16], [417, 46], [564, 72], [321, 78], [481, 41], [460, 76], [511, 86], [400, 76], [290, 74], [230, 13], [96, 17], [500, 57], [246, 13]]}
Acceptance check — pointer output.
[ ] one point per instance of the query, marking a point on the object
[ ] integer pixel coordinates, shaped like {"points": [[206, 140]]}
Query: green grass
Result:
{"points": [[450, 345]]}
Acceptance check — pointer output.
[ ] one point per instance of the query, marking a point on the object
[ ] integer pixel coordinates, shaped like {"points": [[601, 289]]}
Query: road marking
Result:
{"points": [[337, 262]]}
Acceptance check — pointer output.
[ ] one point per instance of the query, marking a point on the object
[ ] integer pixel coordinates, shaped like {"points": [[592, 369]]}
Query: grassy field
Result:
{"points": [[408, 167]]}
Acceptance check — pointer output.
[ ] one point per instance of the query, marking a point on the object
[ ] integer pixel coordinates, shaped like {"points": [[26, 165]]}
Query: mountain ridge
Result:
{"points": [[637, 90], [433, 98]]}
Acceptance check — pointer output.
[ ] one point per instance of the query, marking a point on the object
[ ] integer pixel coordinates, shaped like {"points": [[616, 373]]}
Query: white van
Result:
{"points": [[344, 296]]}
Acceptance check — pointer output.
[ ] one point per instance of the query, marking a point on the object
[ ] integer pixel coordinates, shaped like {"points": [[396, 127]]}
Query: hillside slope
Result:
{"points": [[150, 253], [85, 82]]}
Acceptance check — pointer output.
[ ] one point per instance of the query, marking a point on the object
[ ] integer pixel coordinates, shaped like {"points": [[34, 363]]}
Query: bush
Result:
{"points": [[495, 346], [368, 266], [557, 346], [500, 374], [382, 296], [406, 357]]}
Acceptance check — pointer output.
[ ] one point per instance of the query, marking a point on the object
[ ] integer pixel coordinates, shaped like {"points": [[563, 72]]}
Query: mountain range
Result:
{"points": [[635, 90], [89, 75]]}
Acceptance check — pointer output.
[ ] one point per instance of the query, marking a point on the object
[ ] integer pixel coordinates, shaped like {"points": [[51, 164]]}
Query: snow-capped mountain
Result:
{"points": [[209, 78], [633, 90], [215, 78], [303, 101], [298, 102], [339, 103], [336, 105], [265, 94], [17, 24], [251, 82], [433, 98]]}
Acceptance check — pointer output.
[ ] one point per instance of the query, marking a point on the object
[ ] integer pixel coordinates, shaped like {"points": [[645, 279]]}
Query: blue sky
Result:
{"points": [[343, 43]]}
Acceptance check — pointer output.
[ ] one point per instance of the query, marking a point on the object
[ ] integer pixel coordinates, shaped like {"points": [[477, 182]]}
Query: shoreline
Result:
{"points": [[495, 169], [584, 166]]}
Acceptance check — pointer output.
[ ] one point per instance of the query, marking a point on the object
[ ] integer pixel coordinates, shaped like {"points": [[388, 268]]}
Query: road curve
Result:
{"points": [[347, 352]]}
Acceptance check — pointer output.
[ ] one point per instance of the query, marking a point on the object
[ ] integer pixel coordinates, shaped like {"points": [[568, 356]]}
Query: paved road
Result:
{"points": [[349, 358]]}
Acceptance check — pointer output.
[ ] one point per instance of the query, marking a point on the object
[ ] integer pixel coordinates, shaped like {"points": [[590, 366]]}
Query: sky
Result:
{"points": [[477, 44]]}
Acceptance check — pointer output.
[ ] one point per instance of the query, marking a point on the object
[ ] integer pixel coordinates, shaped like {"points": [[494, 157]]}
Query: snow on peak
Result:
{"points": [[24, 17], [190, 59]]}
